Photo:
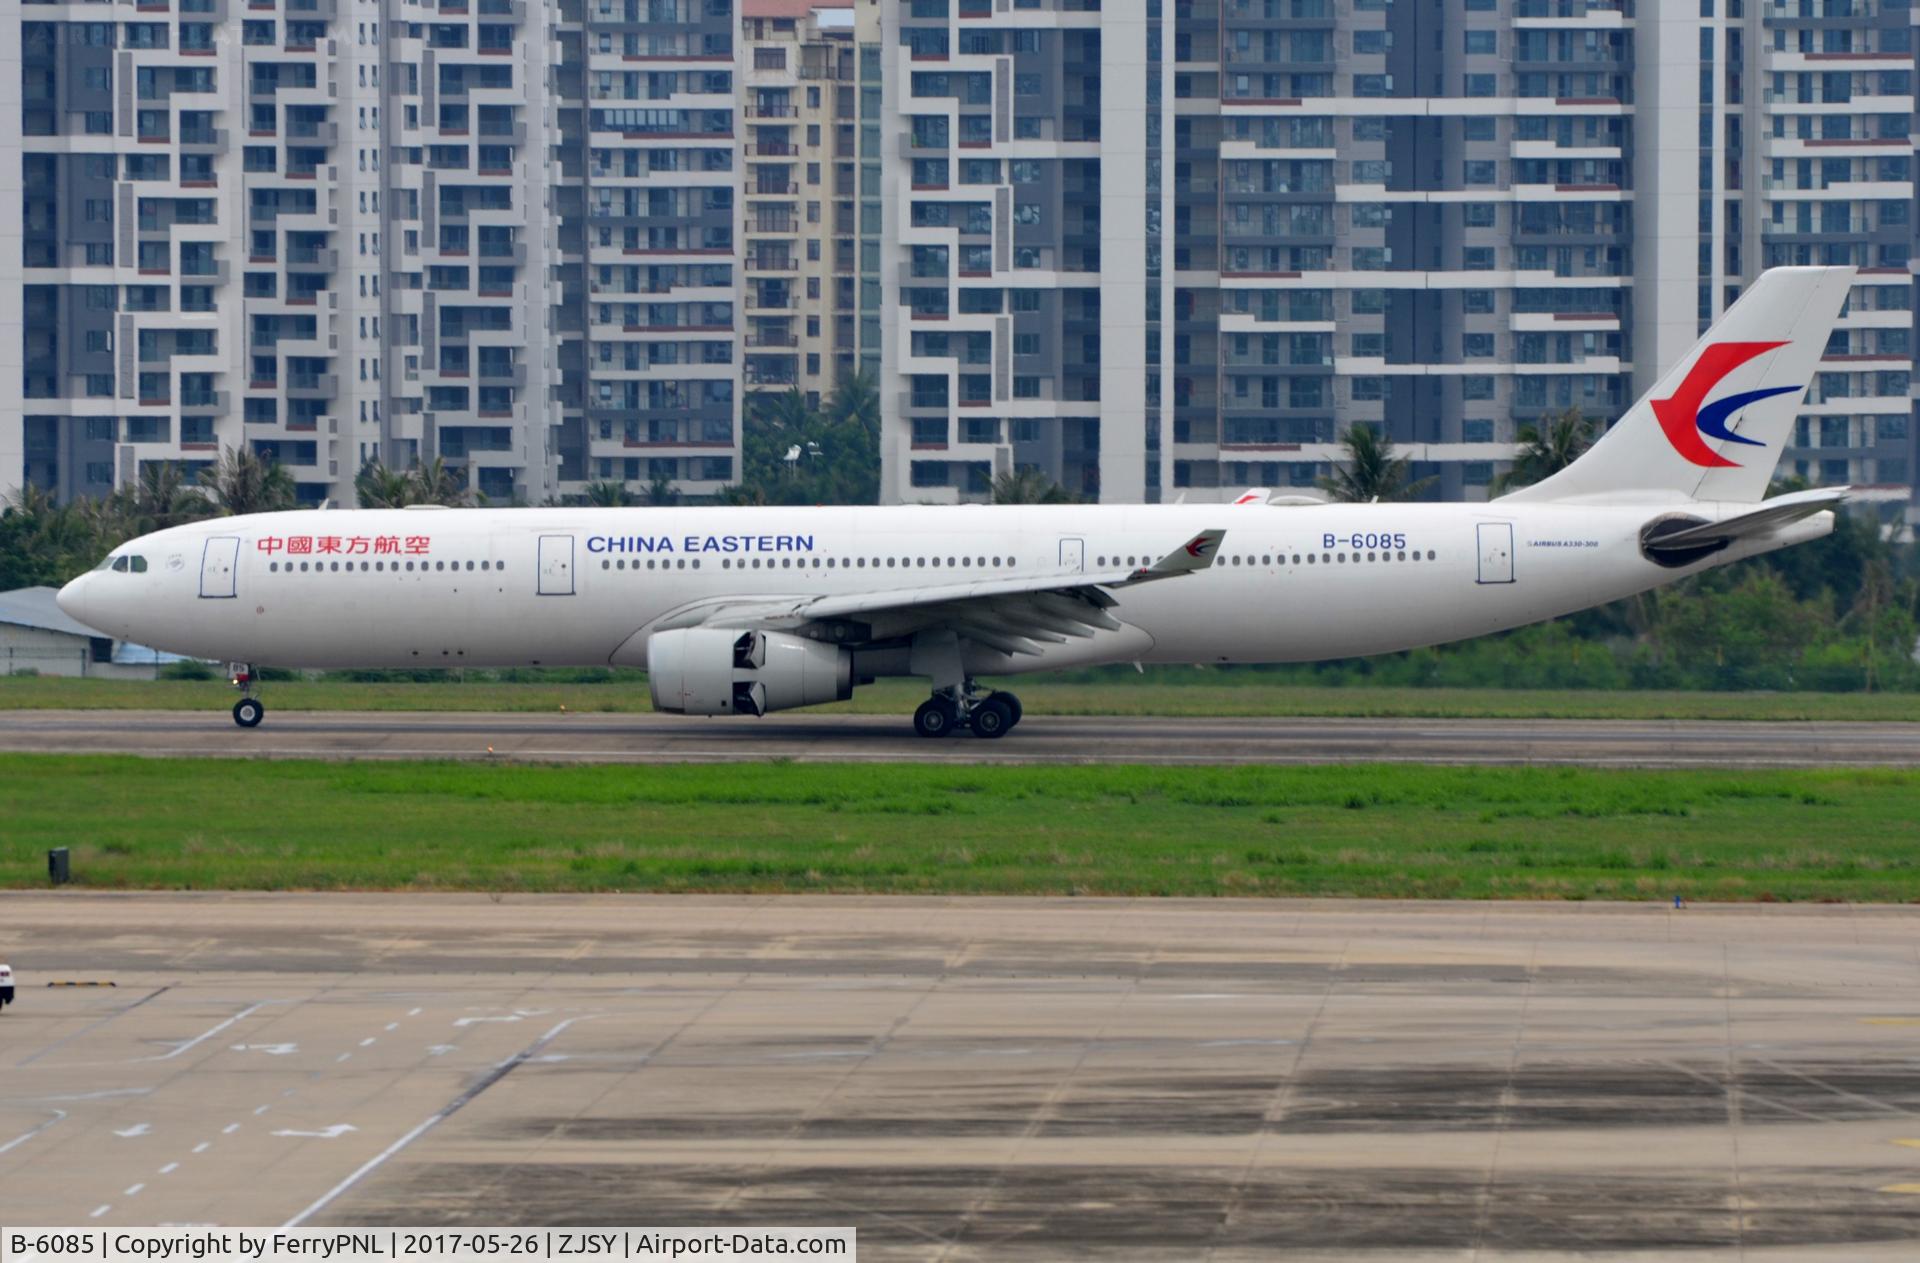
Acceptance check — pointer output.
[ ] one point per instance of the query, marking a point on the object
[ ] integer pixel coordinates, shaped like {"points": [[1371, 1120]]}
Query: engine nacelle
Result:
{"points": [[712, 671]]}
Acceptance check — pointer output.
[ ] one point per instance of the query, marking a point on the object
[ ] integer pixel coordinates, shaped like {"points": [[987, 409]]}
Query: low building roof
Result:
{"points": [[36, 608]]}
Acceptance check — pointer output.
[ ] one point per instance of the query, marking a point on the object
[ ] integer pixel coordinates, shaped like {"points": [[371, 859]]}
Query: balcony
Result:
{"points": [[503, 375], [204, 140], [203, 400], [311, 259], [312, 386], [772, 340]]}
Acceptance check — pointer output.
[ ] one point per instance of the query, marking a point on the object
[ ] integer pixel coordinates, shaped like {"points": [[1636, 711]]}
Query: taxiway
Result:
{"points": [[977, 1078]]}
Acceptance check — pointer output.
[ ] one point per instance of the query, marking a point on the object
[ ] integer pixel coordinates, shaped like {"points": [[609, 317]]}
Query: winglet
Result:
{"points": [[1196, 554]]}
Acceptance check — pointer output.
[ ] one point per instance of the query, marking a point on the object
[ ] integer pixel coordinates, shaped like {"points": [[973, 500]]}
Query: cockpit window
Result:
{"points": [[139, 564], [104, 563], [120, 565]]}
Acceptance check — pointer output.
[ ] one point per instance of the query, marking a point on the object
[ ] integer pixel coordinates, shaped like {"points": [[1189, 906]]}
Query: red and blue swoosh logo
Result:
{"points": [[1688, 420]]}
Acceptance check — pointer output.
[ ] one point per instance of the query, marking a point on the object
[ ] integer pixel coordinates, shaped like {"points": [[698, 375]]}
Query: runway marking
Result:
{"points": [[1890, 1021], [342, 1057], [25, 1136], [170, 1168], [203, 1146], [1911, 1144], [327, 1133], [99, 1211], [258, 1110], [229, 1129], [133, 1190], [499, 1072], [394, 1026], [1901, 1188], [128, 1133], [415, 1012], [368, 1042], [202, 1038]]}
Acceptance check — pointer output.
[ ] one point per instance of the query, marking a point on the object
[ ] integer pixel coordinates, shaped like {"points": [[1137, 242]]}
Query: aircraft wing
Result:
{"points": [[1013, 615], [1766, 517]]}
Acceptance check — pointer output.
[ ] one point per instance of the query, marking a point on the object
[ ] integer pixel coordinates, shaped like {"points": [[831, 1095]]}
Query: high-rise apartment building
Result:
{"points": [[798, 167], [315, 227], [649, 211], [1176, 249], [497, 233]]}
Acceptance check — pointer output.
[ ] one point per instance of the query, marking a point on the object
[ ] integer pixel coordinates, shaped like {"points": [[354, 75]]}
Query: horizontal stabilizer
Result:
{"points": [[1675, 537]]}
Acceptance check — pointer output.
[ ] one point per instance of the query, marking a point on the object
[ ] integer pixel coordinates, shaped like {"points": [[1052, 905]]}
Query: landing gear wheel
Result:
{"points": [[1012, 704], [936, 718], [248, 712], [992, 718]]}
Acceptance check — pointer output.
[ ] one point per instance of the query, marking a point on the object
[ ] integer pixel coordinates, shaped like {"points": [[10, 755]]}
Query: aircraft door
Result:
{"points": [[1496, 552], [217, 564], [556, 565], [1073, 555]]}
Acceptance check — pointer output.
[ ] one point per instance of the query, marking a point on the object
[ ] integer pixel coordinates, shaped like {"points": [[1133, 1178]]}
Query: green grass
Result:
{"points": [[1246, 695], [1389, 831]]}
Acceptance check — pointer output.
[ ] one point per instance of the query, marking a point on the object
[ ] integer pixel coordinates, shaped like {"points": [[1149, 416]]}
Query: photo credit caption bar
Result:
{"points": [[416, 1245]]}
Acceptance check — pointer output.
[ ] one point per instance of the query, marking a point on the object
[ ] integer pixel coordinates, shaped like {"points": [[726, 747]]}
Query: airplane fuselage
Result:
{"points": [[583, 586]]}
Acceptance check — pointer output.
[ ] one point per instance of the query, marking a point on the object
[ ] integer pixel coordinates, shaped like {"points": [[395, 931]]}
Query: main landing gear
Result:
{"points": [[248, 711], [990, 715]]}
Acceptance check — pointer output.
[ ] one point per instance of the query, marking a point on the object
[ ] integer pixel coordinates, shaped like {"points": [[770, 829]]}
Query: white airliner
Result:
{"points": [[737, 611]]}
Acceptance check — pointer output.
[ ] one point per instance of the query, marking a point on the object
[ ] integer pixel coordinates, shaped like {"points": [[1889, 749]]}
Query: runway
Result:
{"points": [[978, 1078], [599, 738]]}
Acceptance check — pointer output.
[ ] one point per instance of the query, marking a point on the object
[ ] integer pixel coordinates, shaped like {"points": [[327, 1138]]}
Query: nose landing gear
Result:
{"points": [[248, 711]]}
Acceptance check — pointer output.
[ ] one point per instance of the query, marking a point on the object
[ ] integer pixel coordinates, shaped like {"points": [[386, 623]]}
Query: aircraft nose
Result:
{"points": [[73, 599]]}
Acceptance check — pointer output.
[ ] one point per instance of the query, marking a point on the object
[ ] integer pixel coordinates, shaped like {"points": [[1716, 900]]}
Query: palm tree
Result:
{"points": [[608, 494], [243, 483], [42, 542], [1546, 448], [379, 487], [1028, 484], [434, 483], [856, 401], [1372, 471], [161, 498], [662, 492]]}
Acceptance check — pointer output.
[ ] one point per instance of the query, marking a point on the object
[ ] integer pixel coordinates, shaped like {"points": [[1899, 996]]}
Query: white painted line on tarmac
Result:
{"points": [[368, 1042], [415, 1012], [433, 1120], [170, 1168], [133, 1190], [203, 1146], [229, 1129], [25, 1136], [258, 1110], [202, 1038], [99, 1211]]}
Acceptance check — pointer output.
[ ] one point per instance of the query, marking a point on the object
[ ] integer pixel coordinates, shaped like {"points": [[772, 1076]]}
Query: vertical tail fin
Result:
{"points": [[1715, 425]]}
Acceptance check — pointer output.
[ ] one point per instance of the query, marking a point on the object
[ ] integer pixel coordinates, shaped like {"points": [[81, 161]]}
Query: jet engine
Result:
{"points": [[714, 671]]}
